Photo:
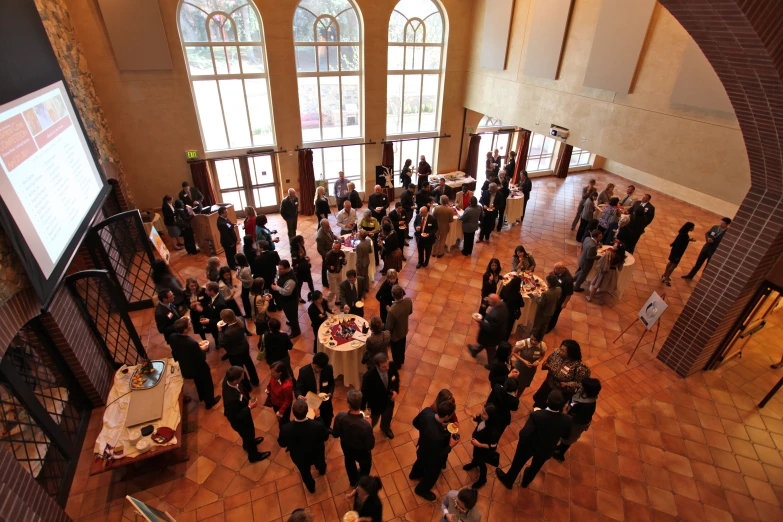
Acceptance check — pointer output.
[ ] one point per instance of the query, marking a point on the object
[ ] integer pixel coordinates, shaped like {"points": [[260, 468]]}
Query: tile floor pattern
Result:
{"points": [[661, 447]]}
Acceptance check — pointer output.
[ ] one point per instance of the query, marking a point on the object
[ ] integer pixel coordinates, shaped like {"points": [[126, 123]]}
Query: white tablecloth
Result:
{"points": [[514, 208], [350, 261], [625, 276], [455, 230], [453, 179], [345, 358]]}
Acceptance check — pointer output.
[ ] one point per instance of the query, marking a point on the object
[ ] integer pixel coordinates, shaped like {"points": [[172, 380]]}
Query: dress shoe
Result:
{"points": [[301, 301], [478, 484], [488, 366], [418, 265], [474, 350], [469, 466], [558, 457], [310, 488], [426, 264], [503, 479], [687, 276], [258, 440], [439, 256], [287, 323], [429, 496], [261, 456], [214, 402], [389, 434], [480, 241], [579, 289]]}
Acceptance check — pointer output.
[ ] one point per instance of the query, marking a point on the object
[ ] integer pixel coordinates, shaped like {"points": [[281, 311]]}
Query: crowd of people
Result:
{"points": [[224, 308]]}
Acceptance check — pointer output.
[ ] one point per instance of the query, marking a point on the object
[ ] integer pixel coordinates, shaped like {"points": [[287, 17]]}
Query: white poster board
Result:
{"points": [[652, 310]]}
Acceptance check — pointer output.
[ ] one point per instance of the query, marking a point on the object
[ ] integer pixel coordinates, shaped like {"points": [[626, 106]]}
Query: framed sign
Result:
{"points": [[652, 310], [157, 242]]}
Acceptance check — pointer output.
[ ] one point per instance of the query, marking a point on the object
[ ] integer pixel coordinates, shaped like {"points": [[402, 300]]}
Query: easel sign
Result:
{"points": [[149, 513], [157, 242], [652, 310]]}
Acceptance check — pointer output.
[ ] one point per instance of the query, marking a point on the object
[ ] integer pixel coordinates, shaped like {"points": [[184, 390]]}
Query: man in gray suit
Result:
{"points": [[363, 253], [323, 243], [547, 304], [397, 323], [470, 223], [588, 257]]}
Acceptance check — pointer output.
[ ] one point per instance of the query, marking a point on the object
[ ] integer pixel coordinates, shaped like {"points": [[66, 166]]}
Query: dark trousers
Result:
{"points": [[555, 317], [245, 360], [327, 413], [467, 245], [341, 203], [231, 251], [524, 206], [425, 250], [324, 279], [398, 351], [480, 462], [384, 416], [352, 458], [291, 310], [408, 217], [248, 433], [246, 302], [204, 386], [302, 277], [304, 467], [704, 256], [487, 225], [282, 421], [490, 352], [427, 470], [190, 240], [291, 224], [521, 456], [501, 218], [580, 234]]}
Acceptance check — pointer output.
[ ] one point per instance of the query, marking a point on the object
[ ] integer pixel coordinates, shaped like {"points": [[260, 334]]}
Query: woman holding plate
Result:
{"points": [[318, 311]]}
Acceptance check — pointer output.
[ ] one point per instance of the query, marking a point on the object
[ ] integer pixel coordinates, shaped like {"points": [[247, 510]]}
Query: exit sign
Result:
{"points": [[191, 154]]}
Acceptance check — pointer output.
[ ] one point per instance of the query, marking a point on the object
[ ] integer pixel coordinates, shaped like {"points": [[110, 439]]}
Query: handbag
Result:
{"points": [[261, 349]]}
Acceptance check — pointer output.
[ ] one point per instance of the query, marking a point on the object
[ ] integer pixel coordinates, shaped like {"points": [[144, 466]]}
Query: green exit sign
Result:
{"points": [[191, 154]]}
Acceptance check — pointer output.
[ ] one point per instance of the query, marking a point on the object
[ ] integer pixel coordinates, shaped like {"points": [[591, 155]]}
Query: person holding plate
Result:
{"points": [[485, 442], [192, 359], [237, 404], [351, 293], [317, 311], [378, 202], [490, 202], [380, 387], [426, 227], [434, 443], [305, 440], [318, 378]]}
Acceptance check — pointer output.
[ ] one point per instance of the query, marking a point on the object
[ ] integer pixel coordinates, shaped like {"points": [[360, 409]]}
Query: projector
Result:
{"points": [[559, 132]]}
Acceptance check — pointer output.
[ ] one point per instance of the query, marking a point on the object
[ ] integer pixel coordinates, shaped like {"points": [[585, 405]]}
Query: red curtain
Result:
{"points": [[203, 182], [563, 159], [523, 144], [473, 152], [388, 154], [306, 183]]}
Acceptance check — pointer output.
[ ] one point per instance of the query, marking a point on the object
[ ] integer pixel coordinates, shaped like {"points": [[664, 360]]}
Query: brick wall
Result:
{"points": [[742, 41], [21, 498]]}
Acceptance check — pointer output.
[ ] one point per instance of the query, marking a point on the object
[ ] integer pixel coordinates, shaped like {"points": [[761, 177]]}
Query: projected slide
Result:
{"points": [[48, 178]]}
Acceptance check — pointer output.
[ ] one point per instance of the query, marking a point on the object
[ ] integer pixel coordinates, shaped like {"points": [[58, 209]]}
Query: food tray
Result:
{"points": [[152, 378]]}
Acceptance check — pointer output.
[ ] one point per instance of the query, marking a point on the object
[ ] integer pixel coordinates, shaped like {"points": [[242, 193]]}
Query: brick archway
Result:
{"points": [[741, 39]]}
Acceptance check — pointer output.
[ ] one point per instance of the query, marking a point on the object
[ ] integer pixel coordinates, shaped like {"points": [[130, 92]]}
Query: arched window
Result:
{"points": [[415, 72], [223, 43], [328, 46]]}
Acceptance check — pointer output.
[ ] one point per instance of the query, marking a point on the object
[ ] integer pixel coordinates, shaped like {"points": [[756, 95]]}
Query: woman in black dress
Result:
{"points": [[183, 218], [485, 442], [194, 294], [678, 250], [500, 368], [317, 311], [405, 174], [384, 295], [581, 409], [365, 499], [512, 296], [276, 344], [301, 263], [489, 283], [527, 355], [321, 203], [169, 219]]}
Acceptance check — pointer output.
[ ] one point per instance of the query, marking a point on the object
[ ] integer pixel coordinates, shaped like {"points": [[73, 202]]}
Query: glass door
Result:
{"points": [[488, 143], [248, 181]]}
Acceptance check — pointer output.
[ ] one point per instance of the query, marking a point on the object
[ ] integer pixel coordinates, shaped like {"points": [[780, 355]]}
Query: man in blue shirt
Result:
{"points": [[341, 190]]}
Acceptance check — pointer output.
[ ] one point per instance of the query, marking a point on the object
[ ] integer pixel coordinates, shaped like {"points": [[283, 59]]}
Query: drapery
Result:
{"points": [[563, 159], [306, 183], [473, 152], [203, 182], [523, 144], [387, 158]]}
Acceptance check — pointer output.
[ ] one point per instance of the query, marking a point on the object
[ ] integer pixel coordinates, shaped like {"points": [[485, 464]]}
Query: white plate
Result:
{"points": [[359, 304], [477, 316], [356, 344]]}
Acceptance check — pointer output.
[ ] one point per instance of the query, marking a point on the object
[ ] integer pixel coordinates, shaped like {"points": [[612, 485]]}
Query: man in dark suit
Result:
{"points": [[565, 281], [305, 439], [649, 209], [547, 304], [492, 328], [443, 190], [408, 200], [289, 211], [210, 308], [398, 217], [318, 377], [425, 227], [265, 267], [397, 323], [587, 258], [380, 387], [166, 314], [236, 407], [490, 201], [356, 438], [352, 290], [378, 200], [423, 197], [233, 340], [190, 196], [538, 439], [192, 361], [525, 186], [505, 399], [228, 237], [434, 444], [713, 237]]}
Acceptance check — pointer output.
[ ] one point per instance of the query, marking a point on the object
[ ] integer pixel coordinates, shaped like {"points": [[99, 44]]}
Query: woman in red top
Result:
{"points": [[281, 391], [463, 198], [250, 223]]}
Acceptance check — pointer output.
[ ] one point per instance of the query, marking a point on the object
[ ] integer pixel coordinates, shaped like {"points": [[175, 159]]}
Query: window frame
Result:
{"points": [[216, 77], [581, 153], [542, 156], [357, 179]]}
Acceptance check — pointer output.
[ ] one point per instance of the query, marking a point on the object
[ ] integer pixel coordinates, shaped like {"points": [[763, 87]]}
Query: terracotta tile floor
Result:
{"points": [[661, 447]]}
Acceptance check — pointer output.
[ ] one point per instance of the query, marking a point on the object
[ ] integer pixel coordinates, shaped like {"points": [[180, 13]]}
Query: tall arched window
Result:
{"points": [[328, 46], [223, 43], [415, 72]]}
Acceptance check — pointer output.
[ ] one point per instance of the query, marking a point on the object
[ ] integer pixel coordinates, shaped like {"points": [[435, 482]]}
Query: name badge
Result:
{"points": [[171, 315], [394, 378], [712, 234], [565, 369], [324, 384]]}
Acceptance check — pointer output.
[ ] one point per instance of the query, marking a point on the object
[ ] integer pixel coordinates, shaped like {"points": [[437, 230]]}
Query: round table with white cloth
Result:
{"points": [[515, 206], [625, 276], [346, 358], [350, 257], [455, 228], [528, 311]]}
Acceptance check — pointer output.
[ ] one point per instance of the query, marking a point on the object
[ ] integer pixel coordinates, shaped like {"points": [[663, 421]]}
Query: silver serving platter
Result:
{"points": [[152, 378]]}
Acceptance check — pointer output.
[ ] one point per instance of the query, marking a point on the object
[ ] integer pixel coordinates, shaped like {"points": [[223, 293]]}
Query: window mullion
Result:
{"points": [[421, 97], [223, 113], [320, 109]]}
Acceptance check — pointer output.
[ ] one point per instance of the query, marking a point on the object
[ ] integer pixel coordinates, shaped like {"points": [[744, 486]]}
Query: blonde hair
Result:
{"points": [[391, 273], [318, 192], [250, 212]]}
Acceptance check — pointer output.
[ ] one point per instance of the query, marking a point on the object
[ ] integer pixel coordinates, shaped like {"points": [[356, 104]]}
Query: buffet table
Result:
{"points": [[349, 241], [454, 180], [625, 276], [345, 353], [531, 284]]}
